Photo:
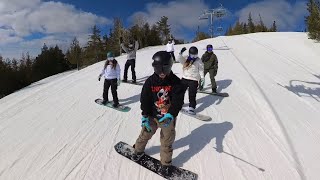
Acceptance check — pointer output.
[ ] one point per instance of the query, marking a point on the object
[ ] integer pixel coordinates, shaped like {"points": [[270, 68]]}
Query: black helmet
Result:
{"points": [[162, 62], [193, 50]]}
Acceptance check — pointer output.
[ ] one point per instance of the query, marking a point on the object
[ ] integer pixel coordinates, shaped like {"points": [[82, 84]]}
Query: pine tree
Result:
{"points": [[261, 27], [274, 27], [154, 37], [146, 31], [94, 47], [164, 28], [313, 20], [229, 31], [251, 24], [44, 47], [245, 29], [238, 28], [74, 54]]}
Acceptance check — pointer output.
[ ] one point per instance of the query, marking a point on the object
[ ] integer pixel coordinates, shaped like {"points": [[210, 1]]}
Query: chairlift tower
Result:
{"points": [[213, 13]]}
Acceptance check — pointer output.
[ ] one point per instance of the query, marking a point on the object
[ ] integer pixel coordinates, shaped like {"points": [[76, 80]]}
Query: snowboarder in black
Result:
{"points": [[161, 100]]}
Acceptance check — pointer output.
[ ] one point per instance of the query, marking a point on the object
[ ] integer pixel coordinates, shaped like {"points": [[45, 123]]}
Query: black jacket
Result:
{"points": [[160, 96]]}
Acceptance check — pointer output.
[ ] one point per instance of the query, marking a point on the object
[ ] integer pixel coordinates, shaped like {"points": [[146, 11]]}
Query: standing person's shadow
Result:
{"points": [[130, 100], [197, 140]]}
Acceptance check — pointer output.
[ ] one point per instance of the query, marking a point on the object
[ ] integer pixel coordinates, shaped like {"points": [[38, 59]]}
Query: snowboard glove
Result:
{"points": [[145, 123], [166, 120], [99, 77], [118, 82], [183, 49], [201, 82]]}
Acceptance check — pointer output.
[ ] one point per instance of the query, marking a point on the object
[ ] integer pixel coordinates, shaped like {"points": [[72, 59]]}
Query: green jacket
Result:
{"points": [[210, 61]]}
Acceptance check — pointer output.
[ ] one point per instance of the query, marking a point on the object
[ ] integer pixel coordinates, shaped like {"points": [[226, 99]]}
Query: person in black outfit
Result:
{"points": [[161, 100]]}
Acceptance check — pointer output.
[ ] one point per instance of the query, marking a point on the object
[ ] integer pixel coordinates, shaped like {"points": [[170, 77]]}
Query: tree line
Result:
{"points": [[18, 73], [250, 27]]}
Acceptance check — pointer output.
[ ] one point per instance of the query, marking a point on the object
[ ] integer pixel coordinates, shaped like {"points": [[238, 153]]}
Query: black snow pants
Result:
{"points": [[114, 85], [193, 87], [132, 63]]}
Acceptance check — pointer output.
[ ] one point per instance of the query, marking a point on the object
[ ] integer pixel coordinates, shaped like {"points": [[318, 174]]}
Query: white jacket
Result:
{"points": [[110, 73], [195, 71], [170, 46]]}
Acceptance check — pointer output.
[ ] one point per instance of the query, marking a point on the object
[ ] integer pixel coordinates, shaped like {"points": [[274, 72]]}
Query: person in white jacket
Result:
{"points": [[111, 73], [192, 74], [170, 48]]}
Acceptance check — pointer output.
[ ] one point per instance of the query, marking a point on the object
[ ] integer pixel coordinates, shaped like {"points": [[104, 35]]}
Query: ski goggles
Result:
{"points": [[165, 69], [192, 57], [209, 49]]}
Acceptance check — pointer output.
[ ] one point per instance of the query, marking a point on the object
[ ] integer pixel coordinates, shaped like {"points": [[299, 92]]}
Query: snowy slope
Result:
{"points": [[267, 129]]}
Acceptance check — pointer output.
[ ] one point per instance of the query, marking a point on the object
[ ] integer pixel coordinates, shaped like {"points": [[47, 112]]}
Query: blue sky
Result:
{"points": [[26, 25]]}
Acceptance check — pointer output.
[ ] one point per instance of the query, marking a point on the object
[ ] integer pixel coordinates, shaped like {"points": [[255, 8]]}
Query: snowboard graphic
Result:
{"points": [[154, 165], [109, 104]]}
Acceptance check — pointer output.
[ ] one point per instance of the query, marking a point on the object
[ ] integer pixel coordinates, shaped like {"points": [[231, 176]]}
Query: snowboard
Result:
{"points": [[197, 115], [154, 165], [215, 94], [109, 104], [130, 82]]}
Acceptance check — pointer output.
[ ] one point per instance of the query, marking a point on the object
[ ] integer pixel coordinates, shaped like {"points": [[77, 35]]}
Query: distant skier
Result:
{"points": [[111, 73], [161, 100], [131, 59], [192, 74], [170, 48], [210, 61]]}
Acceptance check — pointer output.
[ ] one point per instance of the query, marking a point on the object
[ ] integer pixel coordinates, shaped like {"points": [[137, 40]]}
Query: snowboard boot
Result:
{"points": [[134, 81], [191, 111], [136, 156], [105, 101], [115, 105], [214, 90], [166, 170], [124, 80]]}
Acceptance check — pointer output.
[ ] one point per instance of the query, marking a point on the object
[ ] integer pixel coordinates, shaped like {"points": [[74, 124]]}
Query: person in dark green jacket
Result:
{"points": [[210, 62]]}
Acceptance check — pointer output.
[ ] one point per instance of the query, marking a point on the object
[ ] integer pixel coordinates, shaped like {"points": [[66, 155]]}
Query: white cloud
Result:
{"points": [[11, 6], [287, 16], [7, 36], [57, 21], [181, 14]]}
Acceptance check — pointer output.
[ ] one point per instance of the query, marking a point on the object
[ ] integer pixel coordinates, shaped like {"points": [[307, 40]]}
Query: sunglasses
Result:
{"points": [[110, 58]]}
